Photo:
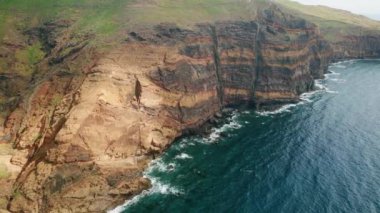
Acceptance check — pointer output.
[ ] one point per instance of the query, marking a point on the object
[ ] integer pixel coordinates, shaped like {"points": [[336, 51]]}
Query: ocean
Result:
{"points": [[320, 155]]}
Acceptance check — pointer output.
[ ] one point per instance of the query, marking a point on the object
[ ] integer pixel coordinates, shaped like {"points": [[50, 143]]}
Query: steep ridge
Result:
{"points": [[95, 117]]}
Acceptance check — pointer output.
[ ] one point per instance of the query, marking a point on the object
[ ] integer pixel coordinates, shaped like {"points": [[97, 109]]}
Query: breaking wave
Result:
{"points": [[183, 156], [158, 187], [233, 123]]}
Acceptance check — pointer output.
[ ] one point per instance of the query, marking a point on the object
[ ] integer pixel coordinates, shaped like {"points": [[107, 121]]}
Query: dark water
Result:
{"points": [[322, 155]]}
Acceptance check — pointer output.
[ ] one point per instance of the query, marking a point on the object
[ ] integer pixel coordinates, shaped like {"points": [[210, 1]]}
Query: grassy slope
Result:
{"points": [[107, 20], [187, 12], [16, 16], [332, 22], [107, 17], [98, 15]]}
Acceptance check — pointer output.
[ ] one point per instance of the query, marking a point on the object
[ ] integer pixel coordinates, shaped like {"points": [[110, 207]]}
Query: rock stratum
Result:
{"points": [[85, 125]]}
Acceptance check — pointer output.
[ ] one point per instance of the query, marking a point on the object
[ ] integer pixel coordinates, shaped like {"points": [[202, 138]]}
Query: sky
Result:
{"points": [[370, 8]]}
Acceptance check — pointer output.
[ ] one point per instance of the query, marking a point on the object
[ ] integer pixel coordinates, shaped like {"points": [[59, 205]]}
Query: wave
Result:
{"points": [[285, 108], [160, 166], [338, 63], [331, 91], [340, 66], [183, 143], [350, 61], [233, 123], [338, 80], [333, 76], [183, 156], [306, 97], [319, 84], [158, 187], [331, 73]]}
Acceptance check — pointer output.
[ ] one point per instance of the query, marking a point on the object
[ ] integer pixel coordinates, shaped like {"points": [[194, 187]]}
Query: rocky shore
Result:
{"points": [[92, 120]]}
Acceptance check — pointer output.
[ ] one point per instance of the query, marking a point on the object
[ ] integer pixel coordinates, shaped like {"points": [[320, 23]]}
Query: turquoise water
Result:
{"points": [[322, 155]]}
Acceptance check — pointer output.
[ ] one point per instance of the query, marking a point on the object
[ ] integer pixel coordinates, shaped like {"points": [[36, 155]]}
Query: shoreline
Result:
{"points": [[303, 98]]}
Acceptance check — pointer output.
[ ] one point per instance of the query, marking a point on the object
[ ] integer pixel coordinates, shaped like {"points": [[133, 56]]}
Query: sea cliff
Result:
{"points": [[91, 120]]}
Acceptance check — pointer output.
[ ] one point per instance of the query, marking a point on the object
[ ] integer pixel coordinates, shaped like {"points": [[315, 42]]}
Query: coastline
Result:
{"points": [[98, 138], [212, 136]]}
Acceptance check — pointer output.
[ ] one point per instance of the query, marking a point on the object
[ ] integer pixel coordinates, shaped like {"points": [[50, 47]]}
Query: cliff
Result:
{"points": [[89, 119]]}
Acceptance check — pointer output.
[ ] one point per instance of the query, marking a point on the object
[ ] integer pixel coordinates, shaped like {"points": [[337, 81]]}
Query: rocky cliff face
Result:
{"points": [[88, 130], [360, 46]]}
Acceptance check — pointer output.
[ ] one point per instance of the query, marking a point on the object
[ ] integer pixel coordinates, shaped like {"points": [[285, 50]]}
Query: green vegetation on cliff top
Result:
{"points": [[111, 16], [332, 22], [107, 17], [97, 15], [28, 57]]}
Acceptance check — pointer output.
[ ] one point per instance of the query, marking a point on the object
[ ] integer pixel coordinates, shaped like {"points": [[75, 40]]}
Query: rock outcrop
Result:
{"points": [[91, 125]]}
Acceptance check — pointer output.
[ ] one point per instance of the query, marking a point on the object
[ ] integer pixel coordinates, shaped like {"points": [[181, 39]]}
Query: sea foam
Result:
{"points": [[233, 123], [183, 156], [158, 187]]}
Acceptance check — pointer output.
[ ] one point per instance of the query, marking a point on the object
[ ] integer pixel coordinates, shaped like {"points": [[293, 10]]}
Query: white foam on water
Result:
{"points": [[338, 80], [306, 97], [319, 84], [285, 108], [340, 66], [158, 187], [332, 73], [337, 63], [232, 123], [332, 91], [183, 143], [183, 156], [159, 165], [342, 62]]}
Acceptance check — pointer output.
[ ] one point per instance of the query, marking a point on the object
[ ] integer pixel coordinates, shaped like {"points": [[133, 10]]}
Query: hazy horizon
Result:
{"points": [[367, 8]]}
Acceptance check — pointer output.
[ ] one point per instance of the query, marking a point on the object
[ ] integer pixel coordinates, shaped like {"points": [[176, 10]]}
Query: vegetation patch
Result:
{"points": [[27, 58], [56, 100], [96, 15]]}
